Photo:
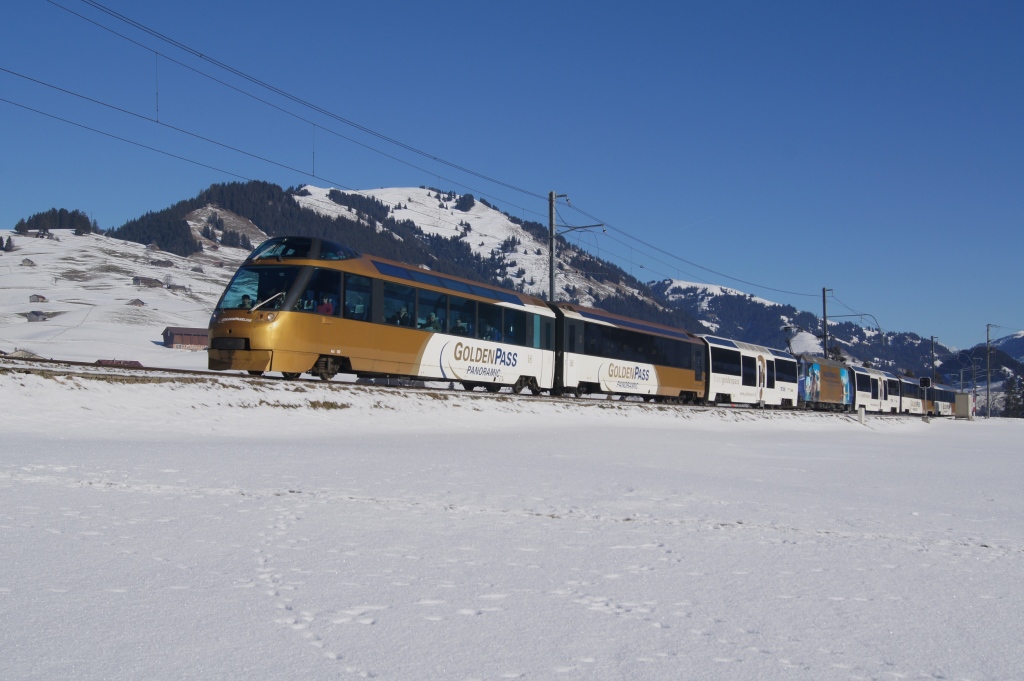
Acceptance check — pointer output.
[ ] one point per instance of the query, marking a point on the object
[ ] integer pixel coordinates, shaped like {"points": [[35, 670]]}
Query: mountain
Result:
{"points": [[1012, 345], [464, 236]]}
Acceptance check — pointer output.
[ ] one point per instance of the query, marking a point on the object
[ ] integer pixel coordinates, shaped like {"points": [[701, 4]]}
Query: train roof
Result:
{"points": [[814, 359], [320, 250], [742, 345], [612, 319]]}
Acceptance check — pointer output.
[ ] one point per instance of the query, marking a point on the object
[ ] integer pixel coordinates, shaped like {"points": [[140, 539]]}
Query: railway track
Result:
{"points": [[147, 374]]}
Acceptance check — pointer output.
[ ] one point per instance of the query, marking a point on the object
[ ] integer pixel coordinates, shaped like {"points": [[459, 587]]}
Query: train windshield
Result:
{"points": [[302, 247], [258, 287], [285, 247]]}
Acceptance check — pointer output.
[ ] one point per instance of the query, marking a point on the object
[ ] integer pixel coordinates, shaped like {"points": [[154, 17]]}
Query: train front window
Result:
{"points": [[258, 287], [330, 250], [284, 247]]}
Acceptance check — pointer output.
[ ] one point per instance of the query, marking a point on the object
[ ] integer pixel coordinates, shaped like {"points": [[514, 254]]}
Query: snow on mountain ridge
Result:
{"points": [[527, 266], [708, 290]]}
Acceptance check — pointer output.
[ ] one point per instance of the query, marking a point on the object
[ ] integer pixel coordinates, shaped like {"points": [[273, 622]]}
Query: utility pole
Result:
{"points": [[824, 322], [551, 245], [552, 197], [988, 371]]}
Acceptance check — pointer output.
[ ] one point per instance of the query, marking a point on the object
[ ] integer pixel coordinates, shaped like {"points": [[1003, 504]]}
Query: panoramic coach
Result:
{"points": [[303, 305], [744, 373], [601, 352]]}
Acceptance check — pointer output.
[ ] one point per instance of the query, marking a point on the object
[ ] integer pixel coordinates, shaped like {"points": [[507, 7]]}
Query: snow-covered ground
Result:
{"points": [[88, 284], [233, 529]]}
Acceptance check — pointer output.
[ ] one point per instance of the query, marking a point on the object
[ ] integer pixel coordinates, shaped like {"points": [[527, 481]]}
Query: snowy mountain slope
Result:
{"points": [[88, 282], [1013, 345], [488, 232]]}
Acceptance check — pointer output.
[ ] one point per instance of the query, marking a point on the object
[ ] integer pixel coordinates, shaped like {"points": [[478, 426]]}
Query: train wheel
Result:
{"points": [[255, 373], [519, 385], [325, 375], [492, 387], [290, 376], [534, 388], [577, 391]]}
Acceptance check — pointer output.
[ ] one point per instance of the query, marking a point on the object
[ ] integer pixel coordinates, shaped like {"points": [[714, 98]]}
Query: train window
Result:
{"points": [[330, 250], [399, 304], [770, 375], [489, 324], [725, 361], [357, 297], [863, 383], [462, 316], [285, 247], [874, 388], [514, 327], [321, 294], [259, 287], [548, 335], [785, 371], [572, 337], [749, 371], [697, 353], [431, 310]]}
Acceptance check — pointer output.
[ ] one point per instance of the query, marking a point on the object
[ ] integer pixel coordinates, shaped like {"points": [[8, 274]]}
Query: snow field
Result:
{"points": [[262, 530]]}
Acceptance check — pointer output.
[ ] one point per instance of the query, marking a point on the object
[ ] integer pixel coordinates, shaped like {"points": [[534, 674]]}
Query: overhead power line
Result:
{"points": [[124, 139], [365, 129], [689, 262], [294, 115], [298, 100]]}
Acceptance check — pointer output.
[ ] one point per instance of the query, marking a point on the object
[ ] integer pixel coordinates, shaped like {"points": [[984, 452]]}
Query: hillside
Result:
{"points": [[88, 284], [460, 235]]}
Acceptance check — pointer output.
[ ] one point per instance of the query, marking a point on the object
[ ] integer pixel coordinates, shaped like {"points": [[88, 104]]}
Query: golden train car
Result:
{"points": [[601, 352], [304, 305]]}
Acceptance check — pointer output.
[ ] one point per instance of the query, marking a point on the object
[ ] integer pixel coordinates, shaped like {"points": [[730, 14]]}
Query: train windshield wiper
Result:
{"points": [[258, 306]]}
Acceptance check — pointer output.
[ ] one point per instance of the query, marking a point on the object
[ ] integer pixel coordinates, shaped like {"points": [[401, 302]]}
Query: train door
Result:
{"points": [[762, 378], [874, 395], [573, 346]]}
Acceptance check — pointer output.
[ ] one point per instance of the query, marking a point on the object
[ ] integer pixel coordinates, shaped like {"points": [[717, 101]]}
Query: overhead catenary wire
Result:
{"points": [[294, 115], [433, 157], [209, 140], [124, 139], [298, 100], [160, 36]]}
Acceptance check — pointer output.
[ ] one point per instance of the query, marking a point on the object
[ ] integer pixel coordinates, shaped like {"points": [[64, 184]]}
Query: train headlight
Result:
{"points": [[271, 316]]}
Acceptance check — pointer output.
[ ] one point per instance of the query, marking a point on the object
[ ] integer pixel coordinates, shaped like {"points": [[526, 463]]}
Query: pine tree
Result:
{"points": [[1013, 405]]}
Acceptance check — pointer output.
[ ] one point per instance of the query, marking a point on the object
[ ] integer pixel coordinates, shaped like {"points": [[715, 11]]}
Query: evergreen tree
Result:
{"points": [[10, 245], [1013, 405]]}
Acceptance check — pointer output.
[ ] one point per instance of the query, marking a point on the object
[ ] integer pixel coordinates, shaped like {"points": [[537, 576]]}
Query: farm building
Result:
{"points": [[27, 263], [182, 338], [36, 316], [147, 281], [135, 302], [36, 298]]}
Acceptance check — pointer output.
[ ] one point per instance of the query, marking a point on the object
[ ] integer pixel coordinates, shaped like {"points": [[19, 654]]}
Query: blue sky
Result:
{"points": [[873, 148]]}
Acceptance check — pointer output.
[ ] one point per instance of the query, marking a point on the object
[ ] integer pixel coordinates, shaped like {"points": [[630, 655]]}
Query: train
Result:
{"points": [[303, 305]]}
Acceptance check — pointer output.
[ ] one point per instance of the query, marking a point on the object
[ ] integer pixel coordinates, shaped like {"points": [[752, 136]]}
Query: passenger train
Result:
{"points": [[301, 305]]}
